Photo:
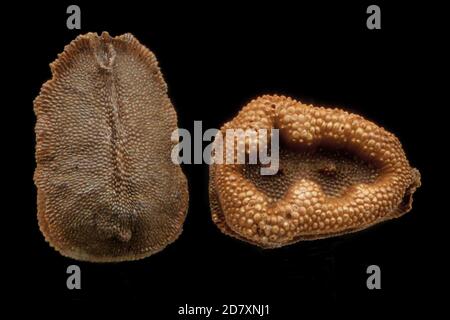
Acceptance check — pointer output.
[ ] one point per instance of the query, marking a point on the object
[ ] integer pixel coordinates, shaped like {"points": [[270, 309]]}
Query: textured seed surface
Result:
{"points": [[338, 173], [107, 188]]}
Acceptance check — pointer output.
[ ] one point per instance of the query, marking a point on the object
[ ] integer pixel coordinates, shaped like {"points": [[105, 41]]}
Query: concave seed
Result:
{"points": [[338, 173], [107, 188]]}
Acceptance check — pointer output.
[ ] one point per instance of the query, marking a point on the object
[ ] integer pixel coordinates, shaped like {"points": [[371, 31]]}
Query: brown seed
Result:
{"points": [[339, 173], [107, 188]]}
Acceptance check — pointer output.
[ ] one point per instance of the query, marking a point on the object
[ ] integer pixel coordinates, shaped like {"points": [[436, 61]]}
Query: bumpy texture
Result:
{"points": [[107, 188], [338, 173]]}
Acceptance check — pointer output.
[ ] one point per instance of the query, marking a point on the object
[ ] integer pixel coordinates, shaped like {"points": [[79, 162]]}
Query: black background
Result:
{"points": [[215, 58]]}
